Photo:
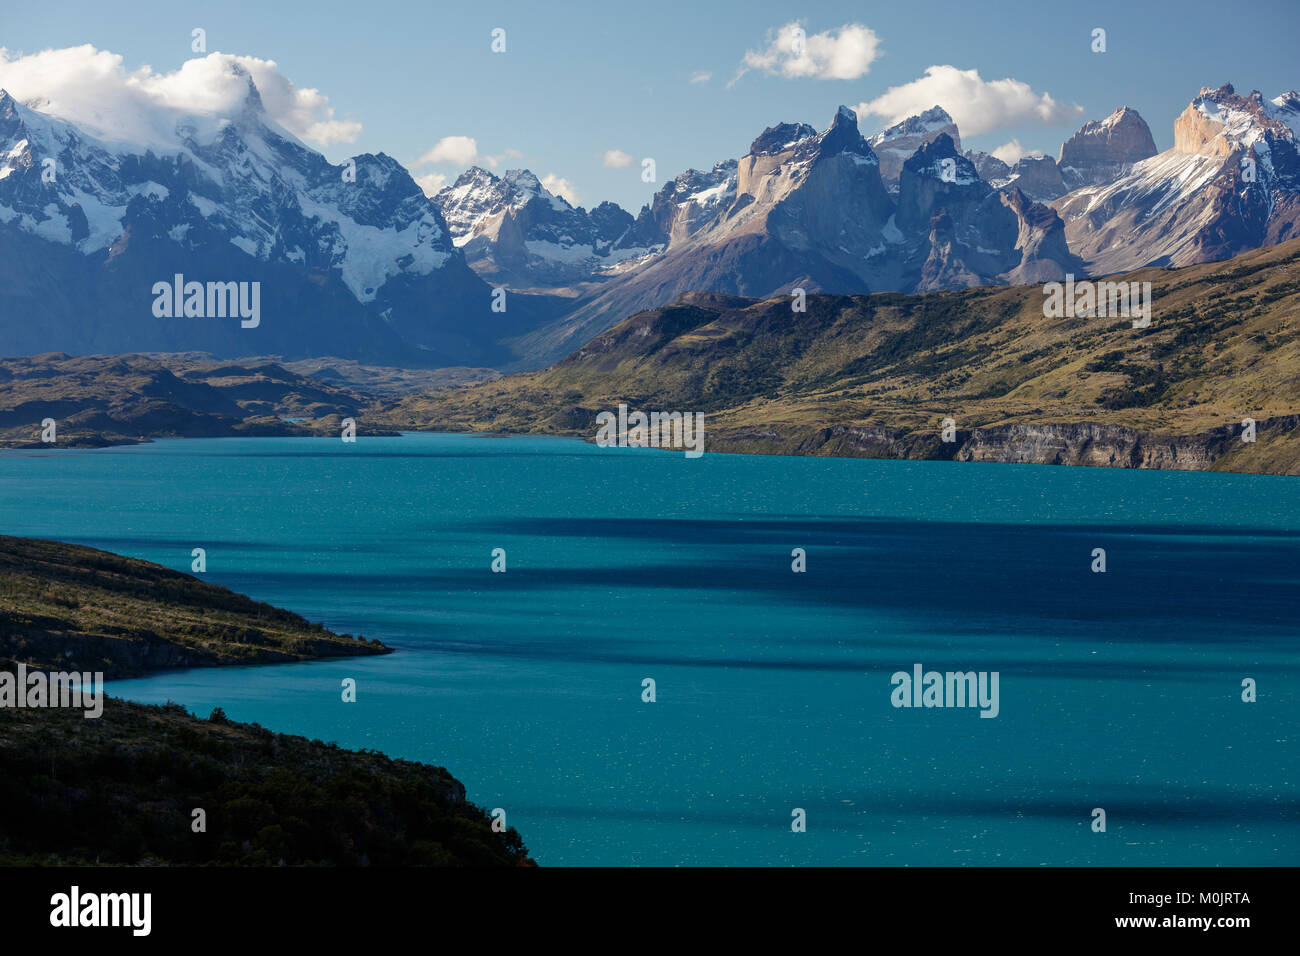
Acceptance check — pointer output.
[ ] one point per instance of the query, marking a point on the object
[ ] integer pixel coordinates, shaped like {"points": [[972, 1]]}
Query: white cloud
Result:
{"points": [[91, 88], [976, 105], [1012, 152], [463, 151], [460, 150], [843, 54], [559, 186], [701, 76], [495, 161], [617, 159], [431, 183]]}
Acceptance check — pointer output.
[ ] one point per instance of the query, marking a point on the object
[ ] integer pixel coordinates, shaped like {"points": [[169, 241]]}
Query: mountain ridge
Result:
{"points": [[1223, 346]]}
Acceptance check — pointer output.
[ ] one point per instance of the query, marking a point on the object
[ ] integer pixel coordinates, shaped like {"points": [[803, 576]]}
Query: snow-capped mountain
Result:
{"points": [[809, 210], [513, 231], [247, 181], [1230, 183], [689, 202], [896, 144], [350, 259]]}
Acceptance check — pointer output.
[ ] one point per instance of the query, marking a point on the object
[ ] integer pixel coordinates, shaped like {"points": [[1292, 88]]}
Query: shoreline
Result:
{"points": [[128, 773], [1064, 444]]}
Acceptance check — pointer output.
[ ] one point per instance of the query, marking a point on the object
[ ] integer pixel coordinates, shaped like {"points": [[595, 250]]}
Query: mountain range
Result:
{"points": [[355, 261], [350, 260]]}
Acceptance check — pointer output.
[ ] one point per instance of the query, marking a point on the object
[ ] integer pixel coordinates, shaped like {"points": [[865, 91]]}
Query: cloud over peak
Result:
{"points": [[461, 150], [93, 89], [559, 186], [975, 104], [1012, 152]]}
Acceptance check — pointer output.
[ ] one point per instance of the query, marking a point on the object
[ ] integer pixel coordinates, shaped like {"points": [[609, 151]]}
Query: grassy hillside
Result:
{"points": [[1223, 345], [64, 606], [102, 400]]}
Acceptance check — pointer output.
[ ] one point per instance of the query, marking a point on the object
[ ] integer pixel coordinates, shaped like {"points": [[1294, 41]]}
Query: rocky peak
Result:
{"points": [[927, 125], [989, 167], [1219, 122], [936, 176], [929, 161], [252, 98], [896, 144], [779, 138], [475, 176], [843, 136], [523, 181], [611, 220], [1101, 152], [474, 195], [1039, 178]]}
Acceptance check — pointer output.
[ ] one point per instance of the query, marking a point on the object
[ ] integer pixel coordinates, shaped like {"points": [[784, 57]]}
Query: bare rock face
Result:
{"points": [[1088, 444], [989, 167], [896, 144], [1101, 151], [946, 267], [1043, 253], [1039, 178]]}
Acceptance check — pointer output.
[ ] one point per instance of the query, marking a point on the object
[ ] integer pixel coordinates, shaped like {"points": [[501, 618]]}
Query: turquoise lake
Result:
{"points": [[1119, 690]]}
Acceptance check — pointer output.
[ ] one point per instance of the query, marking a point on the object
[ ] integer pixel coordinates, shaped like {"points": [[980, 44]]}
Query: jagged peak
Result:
{"points": [[928, 161], [779, 138], [524, 180], [1234, 119], [939, 147], [843, 136], [475, 174], [8, 106], [253, 98], [936, 117]]}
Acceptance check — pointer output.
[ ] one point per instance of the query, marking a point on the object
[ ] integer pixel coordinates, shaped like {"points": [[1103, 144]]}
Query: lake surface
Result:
{"points": [[1119, 690]]}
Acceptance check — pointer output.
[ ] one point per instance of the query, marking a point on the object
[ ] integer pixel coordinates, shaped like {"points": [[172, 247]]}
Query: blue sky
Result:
{"points": [[581, 78]]}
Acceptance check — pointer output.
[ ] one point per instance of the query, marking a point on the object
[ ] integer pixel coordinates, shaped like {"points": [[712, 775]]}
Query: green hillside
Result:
{"points": [[875, 375]]}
